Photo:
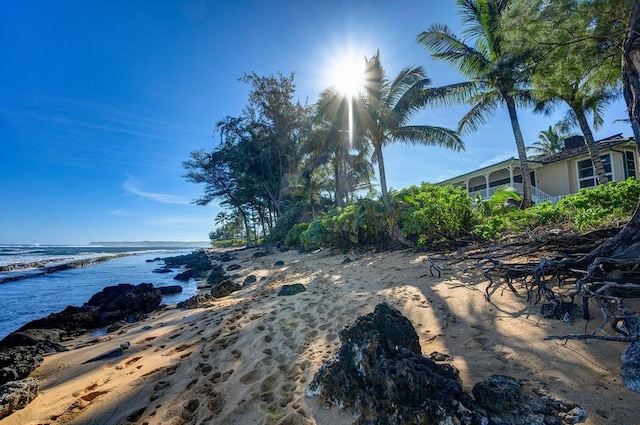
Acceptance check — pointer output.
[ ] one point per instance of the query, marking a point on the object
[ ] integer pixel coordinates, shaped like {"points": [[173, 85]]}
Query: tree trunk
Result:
{"points": [[337, 175], [591, 145], [522, 151], [377, 149], [626, 244]]}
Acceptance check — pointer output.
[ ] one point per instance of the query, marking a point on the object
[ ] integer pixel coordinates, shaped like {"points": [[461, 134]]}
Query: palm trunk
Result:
{"points": [[522, 151], [337, 175], [377, 149], [591, 144]]}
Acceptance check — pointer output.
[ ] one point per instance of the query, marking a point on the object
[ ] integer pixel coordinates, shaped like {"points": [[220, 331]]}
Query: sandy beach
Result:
{"points": [[249, 358]]}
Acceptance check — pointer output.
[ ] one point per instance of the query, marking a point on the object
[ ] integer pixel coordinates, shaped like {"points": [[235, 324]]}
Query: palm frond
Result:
{"points": [[484, 106], [429, 136], [449, 95], [445, 45]]}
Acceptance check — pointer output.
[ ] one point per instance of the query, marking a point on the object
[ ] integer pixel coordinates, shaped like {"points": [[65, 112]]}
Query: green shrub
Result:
{"points": [[431, 213], [293, 235], [601, 205], [314, 236], [229, 243], [280, 231]]}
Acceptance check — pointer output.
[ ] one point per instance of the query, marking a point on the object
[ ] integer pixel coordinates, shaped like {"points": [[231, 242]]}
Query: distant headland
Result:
{"points": [[163, 244]]}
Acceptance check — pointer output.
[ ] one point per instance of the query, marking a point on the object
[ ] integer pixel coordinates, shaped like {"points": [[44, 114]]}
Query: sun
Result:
{"points": [[346, 74]]}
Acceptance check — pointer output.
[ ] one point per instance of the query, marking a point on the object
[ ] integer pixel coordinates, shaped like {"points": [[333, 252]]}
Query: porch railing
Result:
{"points": [[537, 195]]}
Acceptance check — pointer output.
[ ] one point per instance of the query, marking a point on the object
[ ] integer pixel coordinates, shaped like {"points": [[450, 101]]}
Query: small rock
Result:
{"points": [[197, 301], [249, 280], [224, 288], [278, 263], [287, 290]]}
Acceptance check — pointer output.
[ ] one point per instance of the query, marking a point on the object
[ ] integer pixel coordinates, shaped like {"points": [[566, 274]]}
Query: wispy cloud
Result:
{"points": [[120, 213], [496, 159], [164, 198]]}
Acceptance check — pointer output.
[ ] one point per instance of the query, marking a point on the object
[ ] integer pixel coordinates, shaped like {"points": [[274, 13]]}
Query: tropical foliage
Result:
{"points": [[549, 141], [581, 70], [495, 73], [304, 175]]}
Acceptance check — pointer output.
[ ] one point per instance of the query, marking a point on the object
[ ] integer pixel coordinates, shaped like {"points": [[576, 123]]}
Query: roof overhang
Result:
{"points": [[511, 162]]}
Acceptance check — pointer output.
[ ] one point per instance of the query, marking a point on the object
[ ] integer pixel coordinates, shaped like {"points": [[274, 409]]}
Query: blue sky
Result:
{"points": [[102, 101]]}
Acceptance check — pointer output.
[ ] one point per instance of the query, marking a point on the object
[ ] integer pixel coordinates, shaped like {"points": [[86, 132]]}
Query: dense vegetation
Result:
{"points": [[303, 175]]}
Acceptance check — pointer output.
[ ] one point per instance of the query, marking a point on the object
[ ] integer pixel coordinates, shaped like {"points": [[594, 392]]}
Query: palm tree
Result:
{"points": [[386, 107], [490, 68], [550, 141], [222, 218], [582, 97]]}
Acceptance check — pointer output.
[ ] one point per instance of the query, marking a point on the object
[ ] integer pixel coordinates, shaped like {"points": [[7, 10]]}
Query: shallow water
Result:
{"points": [[29, 299]]}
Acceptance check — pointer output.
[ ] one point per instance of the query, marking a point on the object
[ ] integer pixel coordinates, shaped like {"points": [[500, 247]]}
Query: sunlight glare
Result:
{"points": [[347, 75]]}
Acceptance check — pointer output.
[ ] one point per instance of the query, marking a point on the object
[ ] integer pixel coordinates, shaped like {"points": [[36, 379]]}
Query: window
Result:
{"points": [[518, 178], [587, 174], [629, 165]]}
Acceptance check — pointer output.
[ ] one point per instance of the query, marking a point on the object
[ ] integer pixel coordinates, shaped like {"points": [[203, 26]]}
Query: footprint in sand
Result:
{"points": [[250, 377]]}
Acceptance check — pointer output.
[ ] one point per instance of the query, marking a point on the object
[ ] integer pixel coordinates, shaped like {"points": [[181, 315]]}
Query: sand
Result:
{"points": [[249, 358]]}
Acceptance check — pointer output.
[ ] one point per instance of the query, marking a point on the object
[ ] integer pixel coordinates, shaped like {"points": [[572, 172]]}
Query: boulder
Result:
{"points": [[161, 270], [380, 371], [143, 298], [72, 320], [224, 288], [512, 401], [30, 337], [197, 301], [216, 275], [278, 264], [234, 267], [16, 395], [197, 261], [225, 257], [18, 362], [188, 274], [249, 280], [287, 290], [171, 289]]}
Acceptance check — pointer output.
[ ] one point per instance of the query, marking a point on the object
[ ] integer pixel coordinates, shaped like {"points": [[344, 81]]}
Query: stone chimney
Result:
{"points": [[573, 142]]}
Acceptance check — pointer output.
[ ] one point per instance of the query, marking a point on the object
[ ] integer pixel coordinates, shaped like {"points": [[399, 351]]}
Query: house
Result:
{"points": [[555, 176]]}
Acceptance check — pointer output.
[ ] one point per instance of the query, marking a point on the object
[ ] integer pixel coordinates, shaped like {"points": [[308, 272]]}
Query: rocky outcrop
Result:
{"points": [[507, 400], [216, 275], [21, 351], [127, 299], [18, 362], [197, 260], [169, 290], [197, 301], [16, 395], [225, 288], [380, 371]]}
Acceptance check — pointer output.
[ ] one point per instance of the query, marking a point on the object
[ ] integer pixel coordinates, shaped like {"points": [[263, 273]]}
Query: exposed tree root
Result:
{"points": [[565, 272]]}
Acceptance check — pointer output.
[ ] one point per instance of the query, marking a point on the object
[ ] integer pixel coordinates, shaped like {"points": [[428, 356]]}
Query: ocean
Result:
{"points": [[28, 293]]}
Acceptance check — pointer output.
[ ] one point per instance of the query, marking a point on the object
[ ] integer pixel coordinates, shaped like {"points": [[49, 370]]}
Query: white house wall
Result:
{"points": [[554, 179]]}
